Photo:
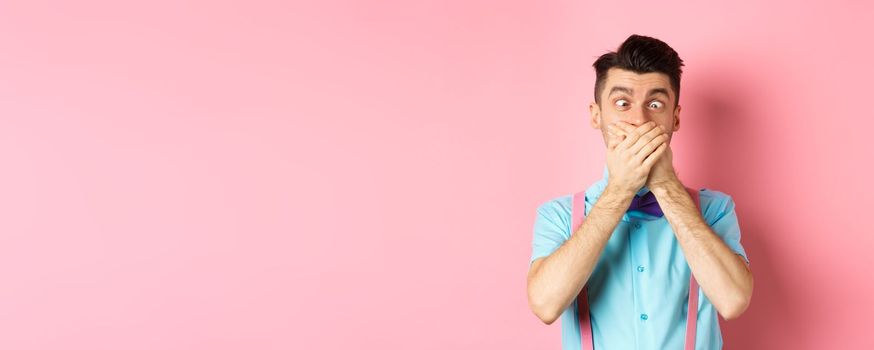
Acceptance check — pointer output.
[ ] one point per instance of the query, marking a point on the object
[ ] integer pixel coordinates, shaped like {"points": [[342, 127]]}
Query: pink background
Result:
{"points": [[364, 175]]}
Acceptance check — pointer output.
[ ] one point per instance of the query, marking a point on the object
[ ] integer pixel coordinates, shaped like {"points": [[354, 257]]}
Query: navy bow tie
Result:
{"points": [[647, 204]]}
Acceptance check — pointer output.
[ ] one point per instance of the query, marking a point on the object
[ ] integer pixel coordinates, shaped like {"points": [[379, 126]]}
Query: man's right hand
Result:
{"points": [[630, 156]]}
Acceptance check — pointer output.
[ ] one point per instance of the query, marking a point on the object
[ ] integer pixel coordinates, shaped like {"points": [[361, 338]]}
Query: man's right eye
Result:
{"points": [[621, 103]]}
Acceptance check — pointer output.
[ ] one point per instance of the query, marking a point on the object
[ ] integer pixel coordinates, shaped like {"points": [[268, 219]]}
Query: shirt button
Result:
{"points": [[637, 225], [643, 317], [640, 268]]}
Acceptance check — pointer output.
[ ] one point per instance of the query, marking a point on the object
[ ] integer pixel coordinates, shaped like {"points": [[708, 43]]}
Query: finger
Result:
{"points": [[651, 146], [639, 148], [654, 156], [622, 129], [620, 134], [613, 139], [614, 136], [634, 133]]}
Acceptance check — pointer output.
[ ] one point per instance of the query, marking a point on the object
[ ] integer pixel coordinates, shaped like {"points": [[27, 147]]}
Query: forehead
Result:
{"points": [[640, 83]]}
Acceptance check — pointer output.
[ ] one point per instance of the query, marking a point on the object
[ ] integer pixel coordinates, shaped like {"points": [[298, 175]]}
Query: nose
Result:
{"points": [[638, 116]]}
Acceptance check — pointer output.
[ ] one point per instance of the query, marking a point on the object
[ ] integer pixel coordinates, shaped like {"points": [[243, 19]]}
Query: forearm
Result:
{"points": [[560, 277], [723, 275]]}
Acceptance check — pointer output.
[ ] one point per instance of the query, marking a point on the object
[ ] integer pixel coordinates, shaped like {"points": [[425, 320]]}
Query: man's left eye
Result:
{"points": [[656, 104]]}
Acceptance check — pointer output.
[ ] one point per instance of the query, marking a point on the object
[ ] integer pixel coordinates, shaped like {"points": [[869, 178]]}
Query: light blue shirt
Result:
{"points": [[639, 289]]}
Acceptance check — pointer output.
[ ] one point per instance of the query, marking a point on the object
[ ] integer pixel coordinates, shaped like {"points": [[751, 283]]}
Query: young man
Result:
{"points": [[642, 236]]}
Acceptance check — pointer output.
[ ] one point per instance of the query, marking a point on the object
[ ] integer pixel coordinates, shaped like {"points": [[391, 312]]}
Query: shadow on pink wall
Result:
{"points": [[735, 159]]}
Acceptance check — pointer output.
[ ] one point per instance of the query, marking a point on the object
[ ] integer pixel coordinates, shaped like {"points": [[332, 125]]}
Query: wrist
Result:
{"points": [[662, 186], [619, 191]]}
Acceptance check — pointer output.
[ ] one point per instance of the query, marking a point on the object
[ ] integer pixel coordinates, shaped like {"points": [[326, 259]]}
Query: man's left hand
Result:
{"points": [[663, 170]]}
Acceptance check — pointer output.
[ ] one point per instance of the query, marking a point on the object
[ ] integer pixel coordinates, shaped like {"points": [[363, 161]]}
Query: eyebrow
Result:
{"points": [[631, 91]]}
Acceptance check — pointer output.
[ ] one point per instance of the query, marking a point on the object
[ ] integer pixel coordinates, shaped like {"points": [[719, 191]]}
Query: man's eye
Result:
{"points": [[656, 104], [622, 103]]}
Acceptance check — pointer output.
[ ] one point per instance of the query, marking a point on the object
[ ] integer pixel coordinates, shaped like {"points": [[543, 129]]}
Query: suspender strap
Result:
{"points": [[578, 211], [692, 315]]}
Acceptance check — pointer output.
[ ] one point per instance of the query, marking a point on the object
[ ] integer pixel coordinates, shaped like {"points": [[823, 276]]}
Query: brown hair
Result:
{"points": [[640, 54]]}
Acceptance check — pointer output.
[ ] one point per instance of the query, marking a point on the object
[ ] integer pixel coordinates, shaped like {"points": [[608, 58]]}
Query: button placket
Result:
{"points": [[637, 227]]}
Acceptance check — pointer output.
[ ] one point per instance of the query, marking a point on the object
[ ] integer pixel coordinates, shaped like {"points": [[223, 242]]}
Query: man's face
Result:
{"points": [[636, 99]]}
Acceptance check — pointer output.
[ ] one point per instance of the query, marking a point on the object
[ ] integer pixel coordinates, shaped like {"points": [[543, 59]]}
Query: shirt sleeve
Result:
{"points": [[551, 229], [723, 221]]}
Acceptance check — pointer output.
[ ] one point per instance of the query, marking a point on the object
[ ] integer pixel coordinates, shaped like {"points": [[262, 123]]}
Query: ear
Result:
{"points": [[595, 112], [677, 117]]}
